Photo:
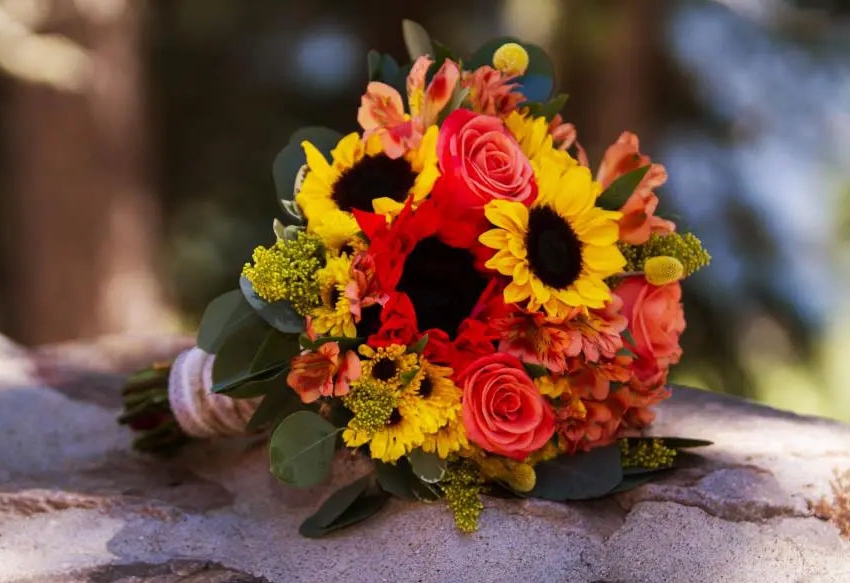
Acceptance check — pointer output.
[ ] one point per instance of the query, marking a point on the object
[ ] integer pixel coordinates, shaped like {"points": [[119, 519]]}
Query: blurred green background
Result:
{"points": [[136, 140]]}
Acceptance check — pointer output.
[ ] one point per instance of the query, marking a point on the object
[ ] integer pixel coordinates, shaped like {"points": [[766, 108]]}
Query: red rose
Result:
{"points": [[656, 320], [480, 161], [503, 411]]}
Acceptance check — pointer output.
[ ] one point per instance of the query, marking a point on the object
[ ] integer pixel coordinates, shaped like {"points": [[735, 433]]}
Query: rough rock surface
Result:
{"points": [[77, 506]]}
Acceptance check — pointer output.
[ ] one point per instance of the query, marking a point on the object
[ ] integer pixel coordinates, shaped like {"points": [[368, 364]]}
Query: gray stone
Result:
{"points": [[77, 505]]}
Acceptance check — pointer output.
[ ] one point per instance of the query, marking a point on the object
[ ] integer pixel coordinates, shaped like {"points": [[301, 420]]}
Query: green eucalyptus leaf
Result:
{"points": [[399, 480], [279, 315], [631, 481], [257, 385], [291, 158], [373, 60], [340, 501], [579, 476], [369, 502], [277, 348], [277, 404], [416, 39], [301, 449], [223, 316], [619, 191], [428, 467], [549, 109], [535, 371], [233, 359]]}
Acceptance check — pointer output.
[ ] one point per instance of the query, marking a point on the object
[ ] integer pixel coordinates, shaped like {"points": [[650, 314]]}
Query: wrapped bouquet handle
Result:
{"points": [[169, 403]]}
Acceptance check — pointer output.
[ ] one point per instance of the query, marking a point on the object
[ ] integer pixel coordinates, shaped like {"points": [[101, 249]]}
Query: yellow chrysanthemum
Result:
{"points": [[439, 396], [401, 434], [360, 176], [449, 439], [559, 251], [334, 317], [535, 141], [387, 366]]}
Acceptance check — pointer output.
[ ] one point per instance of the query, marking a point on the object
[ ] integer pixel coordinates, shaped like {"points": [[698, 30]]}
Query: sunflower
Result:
{"points": [[559, 251], [387, 366], [449, 439], [362, 177], [333, 317], [536, 142]]}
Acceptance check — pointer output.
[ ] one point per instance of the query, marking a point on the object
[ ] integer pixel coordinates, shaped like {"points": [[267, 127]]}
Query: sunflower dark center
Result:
{"points": [[373, 177], [334, 296], [395, 418], [384, 369], [554, 250], [442, 283], [426, 387]]}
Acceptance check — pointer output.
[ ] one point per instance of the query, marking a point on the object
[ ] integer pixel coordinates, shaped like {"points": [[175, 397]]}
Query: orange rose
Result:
{"points": [[481, 161], [503, 411], [656, 320], [639, 220], [323, 373]]}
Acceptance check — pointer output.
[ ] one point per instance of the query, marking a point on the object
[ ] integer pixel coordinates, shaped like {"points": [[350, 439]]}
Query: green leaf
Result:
{"points": [[535, 371], [234, 356], [579, 476], [257, 385], [428, 467], [400, 481], [538, 81], [344, 342], [455, 101], [419, 346], [549, 109], [373, 60], [632, 481], [339, 501], [302, 448], [276, 405], [279, 315], [416, 39], [277, 349], [224, 315], [365, 505], [291, 158], [682, 442], [618, 192], [407, 376]]}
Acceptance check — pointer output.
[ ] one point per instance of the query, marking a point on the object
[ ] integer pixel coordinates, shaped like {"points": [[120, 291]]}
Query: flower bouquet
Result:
{"points": [[451, 293]]}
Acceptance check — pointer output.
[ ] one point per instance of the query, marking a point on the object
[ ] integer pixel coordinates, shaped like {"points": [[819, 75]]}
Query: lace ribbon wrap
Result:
{"points": [[200, 412]]}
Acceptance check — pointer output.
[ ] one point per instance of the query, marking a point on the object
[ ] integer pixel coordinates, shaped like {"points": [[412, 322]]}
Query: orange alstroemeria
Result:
{"points": [[639, 220], [323, 373], [382, 110]]}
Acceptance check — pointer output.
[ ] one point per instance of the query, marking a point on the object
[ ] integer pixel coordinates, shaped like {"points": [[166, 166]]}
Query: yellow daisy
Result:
{"points": [[386, 366], [449, 439], [360, 176], [559, 251], [400, 434], [334, 317]]}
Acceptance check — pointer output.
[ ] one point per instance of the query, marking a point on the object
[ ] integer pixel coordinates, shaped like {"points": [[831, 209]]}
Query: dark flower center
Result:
{"points": [[384, 369], [395, 418], [334, 296], [370, 320], [373, 177], [442, 283], [426, 387], [554, 250]]}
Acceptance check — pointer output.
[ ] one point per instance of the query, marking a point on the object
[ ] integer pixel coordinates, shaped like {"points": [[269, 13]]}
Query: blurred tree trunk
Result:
{"points": [[82, 223]]}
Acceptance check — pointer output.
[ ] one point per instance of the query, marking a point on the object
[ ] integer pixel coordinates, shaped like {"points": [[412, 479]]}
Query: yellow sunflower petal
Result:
{"points": [[515, 292], [494, 238], [509, 215]]}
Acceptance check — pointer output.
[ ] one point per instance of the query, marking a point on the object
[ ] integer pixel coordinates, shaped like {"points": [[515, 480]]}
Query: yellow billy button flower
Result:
{"points": [[663, 270], [511, 59]]}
